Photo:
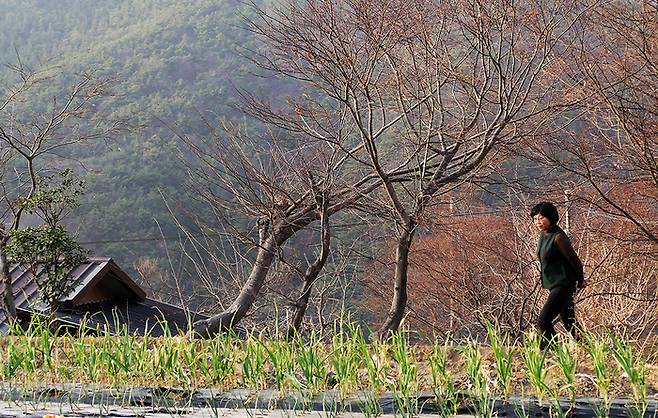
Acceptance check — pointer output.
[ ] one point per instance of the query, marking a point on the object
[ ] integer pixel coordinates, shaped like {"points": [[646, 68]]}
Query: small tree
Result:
{"points": [[35, 133], [49, 250]]}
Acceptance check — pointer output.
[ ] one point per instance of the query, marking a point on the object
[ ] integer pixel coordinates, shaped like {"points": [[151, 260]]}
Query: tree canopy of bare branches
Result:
{"points": [[417, 94], [606, 147]]}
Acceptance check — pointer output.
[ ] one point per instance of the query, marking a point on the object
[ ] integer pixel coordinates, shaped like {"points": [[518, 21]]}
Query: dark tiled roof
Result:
{"points": [[136, 316], [136, 312], [26, 292], [4, 326]]}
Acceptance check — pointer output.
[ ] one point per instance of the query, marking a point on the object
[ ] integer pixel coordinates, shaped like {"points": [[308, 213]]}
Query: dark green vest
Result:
{"points": [[555, 268]]}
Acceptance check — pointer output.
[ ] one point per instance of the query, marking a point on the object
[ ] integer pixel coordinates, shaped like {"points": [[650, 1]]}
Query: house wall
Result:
{"points": [[108, 288]]}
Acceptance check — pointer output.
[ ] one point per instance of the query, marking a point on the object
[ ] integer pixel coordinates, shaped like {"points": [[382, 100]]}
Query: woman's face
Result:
{"points": [[541, 222]]}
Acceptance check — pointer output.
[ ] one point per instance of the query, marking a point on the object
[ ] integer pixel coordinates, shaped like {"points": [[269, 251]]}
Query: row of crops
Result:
{"points": [[468, 371]]}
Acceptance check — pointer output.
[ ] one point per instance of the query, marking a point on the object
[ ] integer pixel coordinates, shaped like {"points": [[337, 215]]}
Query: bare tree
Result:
{"points": [[313, 271], [282, 185], [607, 147], [424, 91], [34, 134], [623, 291], [460, 275]]}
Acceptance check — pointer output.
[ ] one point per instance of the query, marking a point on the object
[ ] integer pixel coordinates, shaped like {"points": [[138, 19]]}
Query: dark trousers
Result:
{"points": [[559, 302]]}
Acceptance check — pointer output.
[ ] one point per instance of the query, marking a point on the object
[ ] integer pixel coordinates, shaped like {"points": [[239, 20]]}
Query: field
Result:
{"points": [[445, 375]]}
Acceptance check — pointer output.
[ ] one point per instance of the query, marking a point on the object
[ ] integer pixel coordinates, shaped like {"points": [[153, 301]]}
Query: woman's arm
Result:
{"points": [[564, 245]]}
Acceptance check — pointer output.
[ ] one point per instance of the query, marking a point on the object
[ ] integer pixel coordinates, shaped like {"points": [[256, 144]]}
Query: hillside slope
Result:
{"points": [[174, 60]]}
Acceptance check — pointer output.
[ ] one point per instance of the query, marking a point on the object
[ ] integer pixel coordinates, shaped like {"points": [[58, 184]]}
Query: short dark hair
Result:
{"points": [[546, 209]]}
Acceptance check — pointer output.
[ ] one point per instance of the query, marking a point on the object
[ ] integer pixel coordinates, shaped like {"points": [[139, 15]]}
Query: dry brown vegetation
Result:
{"points": [[482, 267]]}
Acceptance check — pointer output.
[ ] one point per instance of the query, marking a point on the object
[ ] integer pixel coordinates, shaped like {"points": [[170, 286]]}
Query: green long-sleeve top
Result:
{"points": [[560, 265]]}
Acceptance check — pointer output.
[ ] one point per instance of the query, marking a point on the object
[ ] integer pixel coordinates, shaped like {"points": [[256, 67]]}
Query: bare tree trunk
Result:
{"points": [[280, 233], [312, 272], [399, 303], [9, 304], [300, 308], [247, 296]]}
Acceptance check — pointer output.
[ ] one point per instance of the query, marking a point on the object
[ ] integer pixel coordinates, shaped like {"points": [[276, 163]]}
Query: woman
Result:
{"points": [[561, 272]]}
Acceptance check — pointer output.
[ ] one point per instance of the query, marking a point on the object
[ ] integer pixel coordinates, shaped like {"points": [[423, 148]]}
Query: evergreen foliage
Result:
{"points": [[49, 250]]}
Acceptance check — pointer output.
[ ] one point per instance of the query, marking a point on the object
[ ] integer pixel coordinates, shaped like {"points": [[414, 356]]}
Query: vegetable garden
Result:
{"points": [[346, 372]]}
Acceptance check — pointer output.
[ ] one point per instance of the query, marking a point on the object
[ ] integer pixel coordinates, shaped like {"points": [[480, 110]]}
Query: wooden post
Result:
{"points": [[567, 211]]}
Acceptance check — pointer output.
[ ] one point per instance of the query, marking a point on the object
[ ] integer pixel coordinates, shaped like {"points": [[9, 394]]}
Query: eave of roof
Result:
{"points": [[104, 265]]}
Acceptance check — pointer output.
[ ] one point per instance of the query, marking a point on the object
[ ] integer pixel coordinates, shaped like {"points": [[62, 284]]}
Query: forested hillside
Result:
{"points": [[173, 61]]}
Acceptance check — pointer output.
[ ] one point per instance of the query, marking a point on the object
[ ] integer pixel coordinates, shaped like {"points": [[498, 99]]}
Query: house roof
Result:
{"points": [[91, 272], [87, 274], [104, 295], [137, 316]]}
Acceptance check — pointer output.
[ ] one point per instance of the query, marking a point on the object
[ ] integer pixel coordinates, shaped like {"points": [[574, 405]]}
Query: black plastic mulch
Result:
{"points": [[329, 401]]}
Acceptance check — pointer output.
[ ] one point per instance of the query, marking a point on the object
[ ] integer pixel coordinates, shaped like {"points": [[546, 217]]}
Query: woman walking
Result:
{"points": [[561, 272]]}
